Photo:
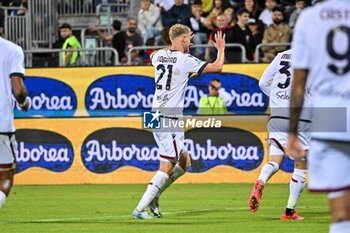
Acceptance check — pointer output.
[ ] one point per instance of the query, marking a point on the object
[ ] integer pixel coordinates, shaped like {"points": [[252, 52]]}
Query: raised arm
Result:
{"points": [[104, 35], [219, 44]]}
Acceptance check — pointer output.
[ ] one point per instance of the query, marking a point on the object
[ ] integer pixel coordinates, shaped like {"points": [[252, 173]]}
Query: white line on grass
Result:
{"points": [[81, 219]]}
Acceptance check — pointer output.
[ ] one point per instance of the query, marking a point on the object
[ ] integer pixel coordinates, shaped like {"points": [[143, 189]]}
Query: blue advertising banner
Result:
{"points": [[227, 146], [81, 92], [118, 150], [287, 165], [107, 150], [133, 94], [119, 95], [246, 96], [48, 98], [45, 149]]}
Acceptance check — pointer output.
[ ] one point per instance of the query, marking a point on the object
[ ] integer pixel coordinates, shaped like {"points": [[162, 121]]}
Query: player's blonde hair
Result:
{"points": [[178, 30]]}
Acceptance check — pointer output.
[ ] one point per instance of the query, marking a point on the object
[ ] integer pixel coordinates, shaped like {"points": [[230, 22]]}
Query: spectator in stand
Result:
{"points": [[220, 7], [23, 4], [266, 14], [195, 22], [256, 32], [216, 102], [221, 25], [148, 52], [179, 13], [165, 5], [278, 32], [288, 7], [125, 40], [253, 7], [116, 26], [70, 42], [241, 34], [207, 6], [165, 37], [149, 23], [299, 6]]}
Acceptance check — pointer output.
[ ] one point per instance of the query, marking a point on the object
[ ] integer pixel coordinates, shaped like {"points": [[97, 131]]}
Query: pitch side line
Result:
{"points": [[53, 220]]}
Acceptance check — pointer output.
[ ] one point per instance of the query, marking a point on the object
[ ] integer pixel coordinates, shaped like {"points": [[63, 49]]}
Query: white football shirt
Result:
{"points": [[172, 72], [11, 64], [321, 44], [276, 82]]}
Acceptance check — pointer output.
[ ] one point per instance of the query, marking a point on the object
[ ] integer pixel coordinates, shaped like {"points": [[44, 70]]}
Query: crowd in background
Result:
{"points": [[247, 22], [22, 5]]}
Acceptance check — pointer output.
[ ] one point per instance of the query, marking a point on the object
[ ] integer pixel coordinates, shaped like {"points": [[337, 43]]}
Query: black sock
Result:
{"points": [[289, 211]]}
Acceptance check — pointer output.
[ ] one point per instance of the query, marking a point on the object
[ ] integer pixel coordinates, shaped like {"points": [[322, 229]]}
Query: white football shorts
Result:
{"points": [[329, 166], [8, 151], [170, 144], [278, 135], [170, 141]]}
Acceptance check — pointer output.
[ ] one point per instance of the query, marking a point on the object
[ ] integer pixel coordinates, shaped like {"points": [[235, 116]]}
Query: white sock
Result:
{"points": [[2, 199], [178, 171], [340, 227], [296, 187], [268, 170], [154, 186]]}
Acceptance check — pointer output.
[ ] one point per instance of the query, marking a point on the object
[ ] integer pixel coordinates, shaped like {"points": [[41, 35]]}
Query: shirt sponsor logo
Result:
{"points": [[45, 149], [48, 98]]}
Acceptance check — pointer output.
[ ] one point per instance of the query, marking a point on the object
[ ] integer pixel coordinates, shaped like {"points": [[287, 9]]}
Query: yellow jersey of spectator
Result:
{"points": [[217, 101], [212, 105], [70, 42], [73, 43]]}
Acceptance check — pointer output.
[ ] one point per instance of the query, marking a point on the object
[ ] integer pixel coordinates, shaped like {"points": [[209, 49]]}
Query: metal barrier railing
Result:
{"points": [[88, 57], [17, 27], [43, 23], [91, 7], [74, 7], [243, 54], [113, 8], [259, 46], [37, 27]]}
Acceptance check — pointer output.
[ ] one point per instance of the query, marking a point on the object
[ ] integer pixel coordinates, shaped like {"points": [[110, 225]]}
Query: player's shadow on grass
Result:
{"points": [[192, 213], [319, 216]]}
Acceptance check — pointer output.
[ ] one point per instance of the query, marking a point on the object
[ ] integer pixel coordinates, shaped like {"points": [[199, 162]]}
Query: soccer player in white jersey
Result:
{"points": [[321, 62], [276, 83], [173, 67], [11, 80]]}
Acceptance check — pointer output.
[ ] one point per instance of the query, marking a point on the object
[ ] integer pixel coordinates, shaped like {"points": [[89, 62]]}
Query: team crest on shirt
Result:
{"points": [[196, 59]]}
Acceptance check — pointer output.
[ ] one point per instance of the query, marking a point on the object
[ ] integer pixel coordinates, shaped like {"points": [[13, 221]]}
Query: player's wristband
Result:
{"points": [[23, 104]]}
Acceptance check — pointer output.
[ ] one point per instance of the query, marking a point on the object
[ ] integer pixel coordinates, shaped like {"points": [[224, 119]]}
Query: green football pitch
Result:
{"points": [[187, 208]]}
